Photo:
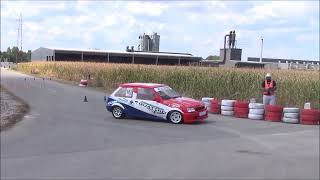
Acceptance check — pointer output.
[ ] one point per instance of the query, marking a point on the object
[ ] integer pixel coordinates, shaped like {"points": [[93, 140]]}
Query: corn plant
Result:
{"points": [[295, 87]]}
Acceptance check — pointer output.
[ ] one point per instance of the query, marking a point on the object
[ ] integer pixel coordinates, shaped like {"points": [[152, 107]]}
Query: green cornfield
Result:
{"points": [[295, 87]]}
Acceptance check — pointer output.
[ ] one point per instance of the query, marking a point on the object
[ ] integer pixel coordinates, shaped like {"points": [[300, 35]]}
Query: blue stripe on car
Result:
{"points": [[132, 112]]}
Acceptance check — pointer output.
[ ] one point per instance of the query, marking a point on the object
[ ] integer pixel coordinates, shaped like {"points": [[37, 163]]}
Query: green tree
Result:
{"points": [[15, 55], [29, 55], [9, 58], [213, 57]]}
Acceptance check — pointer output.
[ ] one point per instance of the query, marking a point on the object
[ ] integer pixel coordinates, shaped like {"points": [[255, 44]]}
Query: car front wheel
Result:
{"points": [[117, 112], [175, 117]]}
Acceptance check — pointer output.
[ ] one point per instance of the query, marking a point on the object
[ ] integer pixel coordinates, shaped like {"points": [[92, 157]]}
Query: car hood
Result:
{"points": [[182, 101]]}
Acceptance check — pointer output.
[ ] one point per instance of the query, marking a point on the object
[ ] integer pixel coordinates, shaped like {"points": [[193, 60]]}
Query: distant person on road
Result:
{"points": [[269, 87]]}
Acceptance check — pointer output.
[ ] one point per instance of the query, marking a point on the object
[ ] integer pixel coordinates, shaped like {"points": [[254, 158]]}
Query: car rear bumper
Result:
{"points": [[193, 117]]}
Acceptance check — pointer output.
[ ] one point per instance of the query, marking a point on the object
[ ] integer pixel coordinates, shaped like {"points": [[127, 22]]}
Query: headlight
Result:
{"points": [[191, 110]]}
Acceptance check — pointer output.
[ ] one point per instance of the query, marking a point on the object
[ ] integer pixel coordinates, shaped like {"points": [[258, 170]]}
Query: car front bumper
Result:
{"points": [[194, 116]]}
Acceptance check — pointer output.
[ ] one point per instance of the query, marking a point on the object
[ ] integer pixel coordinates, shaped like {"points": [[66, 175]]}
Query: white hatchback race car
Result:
{"points": [[154, 101]]}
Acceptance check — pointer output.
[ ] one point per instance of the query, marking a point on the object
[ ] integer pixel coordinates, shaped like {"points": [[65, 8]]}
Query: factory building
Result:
{"points": [[147, 53], [273, 60], [134, 57]]}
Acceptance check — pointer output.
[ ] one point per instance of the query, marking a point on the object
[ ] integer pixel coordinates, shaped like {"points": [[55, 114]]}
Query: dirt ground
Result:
{"points": [[12, 109]]}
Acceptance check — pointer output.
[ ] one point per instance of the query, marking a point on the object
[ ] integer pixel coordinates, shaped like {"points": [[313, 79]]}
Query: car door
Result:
{"points": [[146, 105]]}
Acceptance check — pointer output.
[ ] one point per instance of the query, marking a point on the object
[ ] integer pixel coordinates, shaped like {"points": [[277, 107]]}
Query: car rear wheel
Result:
{"points": [[175, 117], [117, 112]]}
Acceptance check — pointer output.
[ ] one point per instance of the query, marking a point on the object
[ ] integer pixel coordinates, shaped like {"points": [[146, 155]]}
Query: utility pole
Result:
{"points": [[21, 54], [19, 36], [261, 50], [20, 31]]}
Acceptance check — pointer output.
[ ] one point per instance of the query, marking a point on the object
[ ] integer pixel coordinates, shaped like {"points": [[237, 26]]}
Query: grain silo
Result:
{"points": [[145, 43], [155, 39]]}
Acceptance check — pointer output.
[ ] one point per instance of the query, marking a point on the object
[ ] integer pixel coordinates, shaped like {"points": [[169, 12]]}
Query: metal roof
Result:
{"points": [[122, 52], [276, 60]]}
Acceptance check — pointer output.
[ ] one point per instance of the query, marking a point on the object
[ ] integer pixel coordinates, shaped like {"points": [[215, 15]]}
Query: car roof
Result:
{"points": [[144, 85]]}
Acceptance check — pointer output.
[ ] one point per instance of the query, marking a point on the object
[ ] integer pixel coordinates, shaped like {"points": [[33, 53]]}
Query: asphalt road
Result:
{"points": [[65, 138]]}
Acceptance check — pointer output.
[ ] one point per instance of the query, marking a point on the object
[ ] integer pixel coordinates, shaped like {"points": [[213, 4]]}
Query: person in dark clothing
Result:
{"points": [[269, 86]]}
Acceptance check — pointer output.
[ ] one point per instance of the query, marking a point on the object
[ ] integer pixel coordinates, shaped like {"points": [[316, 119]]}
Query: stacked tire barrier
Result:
{"points": [[310, 117], [215, 106], [273, 113], [290, 115], [256, 111], [227, 107], [241, 109], [207, 102]]}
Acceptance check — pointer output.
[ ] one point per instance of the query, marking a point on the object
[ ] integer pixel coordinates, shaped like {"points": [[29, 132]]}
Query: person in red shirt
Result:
{"points": [[269, 87]]}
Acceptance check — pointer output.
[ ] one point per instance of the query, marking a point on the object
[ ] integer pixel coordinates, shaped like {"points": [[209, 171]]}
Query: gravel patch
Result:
{"points": [[12, 109]]}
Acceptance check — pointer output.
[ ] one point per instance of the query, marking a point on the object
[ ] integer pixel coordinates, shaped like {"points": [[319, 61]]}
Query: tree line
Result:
{"points": [[15, 55], [213, 57]]}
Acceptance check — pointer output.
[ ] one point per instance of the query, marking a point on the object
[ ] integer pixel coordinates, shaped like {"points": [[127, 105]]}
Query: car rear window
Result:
{"points": [[124, 92]]}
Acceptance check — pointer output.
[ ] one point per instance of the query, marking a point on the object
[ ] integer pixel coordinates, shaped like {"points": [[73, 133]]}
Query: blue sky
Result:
{"points": [[290, 28]]}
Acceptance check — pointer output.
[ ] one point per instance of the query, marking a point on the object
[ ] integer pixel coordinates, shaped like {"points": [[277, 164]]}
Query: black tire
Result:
{"points": [[175, 117], [117, 112]]}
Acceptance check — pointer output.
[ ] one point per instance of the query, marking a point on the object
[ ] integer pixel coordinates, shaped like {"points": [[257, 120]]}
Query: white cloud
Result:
{"points": [[287, 29], [146, 8], [218, 4], [187, 38], [130, 21], [279, 12], [193, 16], [31, 26], [28, 8], [186, 4], [307, 38], [279, 9], [55, 31], [83, 6], [82, 19], [12, 33]]}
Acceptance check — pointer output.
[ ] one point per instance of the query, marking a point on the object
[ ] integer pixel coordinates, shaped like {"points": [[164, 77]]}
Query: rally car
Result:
{"points": [[154, 101]]}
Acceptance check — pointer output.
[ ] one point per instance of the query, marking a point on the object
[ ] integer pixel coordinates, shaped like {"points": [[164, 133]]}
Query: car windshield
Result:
{"points": [[167, 93]]}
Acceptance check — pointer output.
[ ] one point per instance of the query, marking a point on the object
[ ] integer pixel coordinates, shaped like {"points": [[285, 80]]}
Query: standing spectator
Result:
{"points": [[269, 87]]}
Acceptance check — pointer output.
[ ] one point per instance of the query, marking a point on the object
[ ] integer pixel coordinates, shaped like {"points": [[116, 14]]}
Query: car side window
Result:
{"points": [[124, 92], [145, 94]]}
